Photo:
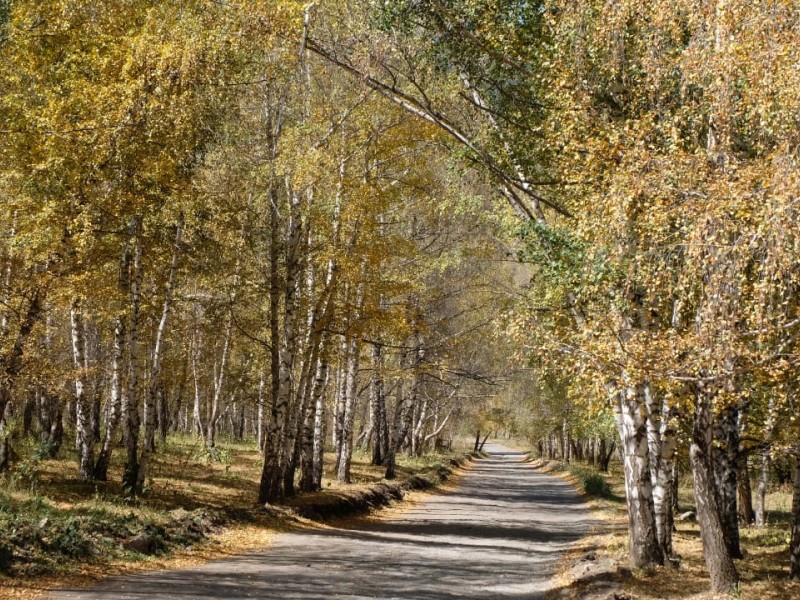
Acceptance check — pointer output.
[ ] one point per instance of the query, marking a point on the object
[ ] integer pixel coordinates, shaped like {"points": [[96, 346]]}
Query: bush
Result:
{"points": [[591, 483], [212, 455], [595, 485], [69, 539]]}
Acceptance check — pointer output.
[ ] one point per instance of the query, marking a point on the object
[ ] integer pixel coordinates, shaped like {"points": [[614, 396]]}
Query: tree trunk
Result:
{"points": [[725, 476], [766, 466], [350, 393], [271, 486], [319, 425], [662, 442], [794, 544], [761, 490], [746, 512], [338, 406], [400, 430], [605, 452], [310, 429], [114, 408], [219, 386], [418, 434], [721, 569], [83, 431], [130, 400], [155, 369], [163, 413], [11, 365], [260, 415], [197, 416], [629, 413], [378, 406], [48, 415]]}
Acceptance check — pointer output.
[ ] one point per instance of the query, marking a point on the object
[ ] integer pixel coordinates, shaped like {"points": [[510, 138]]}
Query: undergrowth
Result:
{"points": [[53, 523], [591, 482]]}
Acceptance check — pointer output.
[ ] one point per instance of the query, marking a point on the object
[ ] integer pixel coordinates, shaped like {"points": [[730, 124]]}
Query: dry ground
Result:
{"points": [[764, 571], [183, 476], [498, 534]]}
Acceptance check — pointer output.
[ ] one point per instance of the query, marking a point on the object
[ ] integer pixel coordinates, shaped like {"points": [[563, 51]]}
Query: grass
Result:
{"points": [[763, 571], [58, 526]]}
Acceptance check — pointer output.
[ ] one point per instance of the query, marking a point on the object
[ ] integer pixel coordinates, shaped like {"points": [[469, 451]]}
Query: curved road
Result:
{"points": [[498, 535]]}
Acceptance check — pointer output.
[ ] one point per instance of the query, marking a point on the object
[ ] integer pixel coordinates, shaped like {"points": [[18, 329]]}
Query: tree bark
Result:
{"points": [[210, 437], [605, 452], [155, 368], [629, 413], [260, 415], [338, 406], [271, 486], [794, 543], [319, 424], [746, 512], [399, 431], [83, 431], [378, 406], [114, 408], [766, 466], [724, 577], [350, 397], [662, 442], [761, 490], [310, 429], [10, 368], [130, 400], [418, 433], [725, 457]]}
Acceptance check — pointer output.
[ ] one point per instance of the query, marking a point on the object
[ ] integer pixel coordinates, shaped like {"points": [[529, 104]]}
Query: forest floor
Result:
{"points": [[497, 532], [56, 530], [763, 571]]}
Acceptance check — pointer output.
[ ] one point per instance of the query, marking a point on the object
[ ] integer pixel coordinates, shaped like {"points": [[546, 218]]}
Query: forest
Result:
{"points": [[376, 226]]}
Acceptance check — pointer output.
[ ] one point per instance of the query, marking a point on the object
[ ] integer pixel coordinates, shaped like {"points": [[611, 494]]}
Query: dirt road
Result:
{"points": [[498, 535]]}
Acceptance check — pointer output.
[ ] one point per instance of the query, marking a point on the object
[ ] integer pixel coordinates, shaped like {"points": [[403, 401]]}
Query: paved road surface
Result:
{"points": [[498, 536]]}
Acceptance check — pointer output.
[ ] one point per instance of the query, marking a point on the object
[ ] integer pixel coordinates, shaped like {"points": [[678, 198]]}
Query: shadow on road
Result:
{"points": [[499, 535]]}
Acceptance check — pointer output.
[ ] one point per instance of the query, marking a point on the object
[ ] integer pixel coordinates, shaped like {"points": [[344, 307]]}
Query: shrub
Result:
{"points": [[591, 483]]}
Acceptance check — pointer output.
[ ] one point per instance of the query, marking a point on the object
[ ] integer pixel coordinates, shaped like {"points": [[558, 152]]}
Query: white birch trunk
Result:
{"points": [[272, 473], [219, 386], [84, 434], [662, 442], [351, 391], [630, 417], [130, 400], [115, 402], [260, 415], [155, 369], [319, 424]]}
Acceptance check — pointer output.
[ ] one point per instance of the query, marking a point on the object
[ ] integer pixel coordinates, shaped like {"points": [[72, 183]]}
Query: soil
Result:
{"points": [[499, 533]]}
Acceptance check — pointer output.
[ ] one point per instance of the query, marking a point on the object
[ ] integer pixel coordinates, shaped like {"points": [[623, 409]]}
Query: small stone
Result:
{"points": [[44, 523], [687, 516]]}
